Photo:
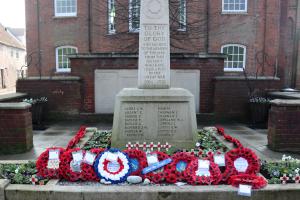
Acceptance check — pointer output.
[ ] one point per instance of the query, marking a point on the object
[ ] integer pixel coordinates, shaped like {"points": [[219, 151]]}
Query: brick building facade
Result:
{"points": [[264, 28], [257, 35]]}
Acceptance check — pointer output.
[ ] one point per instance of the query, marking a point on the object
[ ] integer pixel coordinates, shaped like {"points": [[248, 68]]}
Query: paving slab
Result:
{"points": [[59, 134]]}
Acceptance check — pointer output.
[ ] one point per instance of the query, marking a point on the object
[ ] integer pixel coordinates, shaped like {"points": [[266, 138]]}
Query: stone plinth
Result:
{"points": [[284, 125], [155, 115]]}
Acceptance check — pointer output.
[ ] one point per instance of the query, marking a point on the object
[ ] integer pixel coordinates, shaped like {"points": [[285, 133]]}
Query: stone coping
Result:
{"points": [[52, 78], [224, 192], [285, 95], [134, 55], [14, 106], [242, 78], [10, 96], [286, 102]]}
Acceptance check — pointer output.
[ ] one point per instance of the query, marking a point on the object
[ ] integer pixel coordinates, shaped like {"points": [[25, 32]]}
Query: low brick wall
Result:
{"points": [[284, 125], [232, 95], [15, 128], [63, 93]]}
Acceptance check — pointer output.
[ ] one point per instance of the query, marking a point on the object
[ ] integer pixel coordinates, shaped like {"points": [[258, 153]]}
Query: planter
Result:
{"points": [[259, 113], [38, 113]]}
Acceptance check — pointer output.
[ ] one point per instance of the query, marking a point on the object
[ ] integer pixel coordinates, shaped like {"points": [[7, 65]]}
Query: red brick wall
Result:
{"points": [[231, 96], [15, 130], [258, 30], [85, 67], [284, 126], [64, 95]]}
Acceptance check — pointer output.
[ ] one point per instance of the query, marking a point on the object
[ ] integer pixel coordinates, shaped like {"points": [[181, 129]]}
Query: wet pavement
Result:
{"points": [[59, 134]]}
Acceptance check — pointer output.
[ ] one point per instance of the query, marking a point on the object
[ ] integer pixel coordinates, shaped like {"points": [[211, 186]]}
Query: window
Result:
{"points": [[65, 8], [17, 54], [134, 15], [62, 60], [111, 16], [11, 53], [182, 15], [234, 6], [236, 57]]}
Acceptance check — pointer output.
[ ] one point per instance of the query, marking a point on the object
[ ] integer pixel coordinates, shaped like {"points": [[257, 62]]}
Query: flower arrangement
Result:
{"points": [[42, 164], [257, 182], [285, 171], [214, 176], [100, 139], [259, 100], [67, 166], [175, 171], [74, 141], [138, 161], [158, 176], [89, 173], [113, 166], [33, 101], [20, 173]]}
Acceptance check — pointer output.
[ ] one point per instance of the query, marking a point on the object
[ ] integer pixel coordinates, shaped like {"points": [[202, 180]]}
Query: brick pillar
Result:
{"points": [[15, 128], [284, 125]]}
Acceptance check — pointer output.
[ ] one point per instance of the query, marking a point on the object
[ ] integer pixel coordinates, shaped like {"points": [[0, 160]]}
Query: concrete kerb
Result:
{"points": [[3, 184], [54, 191], [224, 192]]}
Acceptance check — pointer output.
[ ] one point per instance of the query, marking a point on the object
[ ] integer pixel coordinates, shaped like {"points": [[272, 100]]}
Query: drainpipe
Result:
{"points": [[90, 25], [207, 26], [296, 56], [264, 42], [39, 38]]}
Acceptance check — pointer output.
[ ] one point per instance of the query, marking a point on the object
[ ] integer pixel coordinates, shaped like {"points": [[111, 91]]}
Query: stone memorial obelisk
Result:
{"points": [[154, 112]]}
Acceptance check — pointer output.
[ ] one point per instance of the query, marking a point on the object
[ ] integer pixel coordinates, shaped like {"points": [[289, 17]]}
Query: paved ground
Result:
{"points": [[59, 134]]}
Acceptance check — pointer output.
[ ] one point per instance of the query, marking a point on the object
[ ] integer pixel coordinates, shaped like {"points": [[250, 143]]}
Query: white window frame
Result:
{"points": [[111, 29], [131, 29], [71, 14], [235, 11], [182, 22], [56, 58], [226, 69]]}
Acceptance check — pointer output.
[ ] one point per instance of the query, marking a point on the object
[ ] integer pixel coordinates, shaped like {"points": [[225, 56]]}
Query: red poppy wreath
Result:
{"points": [[214, 176], [257, 182], [88, 172], [80, 134], [70, 168], [175, 171], [241, 161], [159, 175], [138, 161], [49, 168]]}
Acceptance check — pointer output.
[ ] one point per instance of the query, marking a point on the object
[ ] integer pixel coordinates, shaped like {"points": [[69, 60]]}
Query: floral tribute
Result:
{"points": [[89, 173], [158, 176], [80, 134], [214, 178], [246, 157], [229, 138], [66, 167], [237, 166], [138, 161], [257, 182], [175, 170], [42, 164], [113, 166]]}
